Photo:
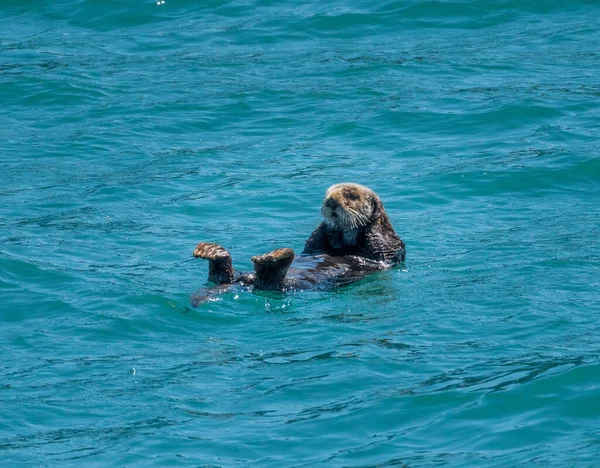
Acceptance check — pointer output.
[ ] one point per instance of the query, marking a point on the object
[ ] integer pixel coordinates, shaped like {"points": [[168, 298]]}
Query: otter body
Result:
{"points": [[355, 238], [305, 272]]}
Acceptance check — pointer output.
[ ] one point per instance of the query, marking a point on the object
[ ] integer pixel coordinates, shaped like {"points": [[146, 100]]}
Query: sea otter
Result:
{"points": [[354, 239]]}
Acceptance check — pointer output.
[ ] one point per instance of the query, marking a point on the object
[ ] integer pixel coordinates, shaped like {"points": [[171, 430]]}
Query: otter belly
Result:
{"points": [[326, 271]]}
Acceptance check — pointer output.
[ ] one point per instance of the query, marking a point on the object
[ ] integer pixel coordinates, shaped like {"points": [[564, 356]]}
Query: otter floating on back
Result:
{"points": [[354, 239]]}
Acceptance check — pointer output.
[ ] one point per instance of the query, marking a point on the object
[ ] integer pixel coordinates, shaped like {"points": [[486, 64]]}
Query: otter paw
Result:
{"points": [[209, 251], [275, 257]]}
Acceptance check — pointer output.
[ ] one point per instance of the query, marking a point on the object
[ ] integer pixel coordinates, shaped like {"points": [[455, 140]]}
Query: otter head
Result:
{"points": [[350, 206]]}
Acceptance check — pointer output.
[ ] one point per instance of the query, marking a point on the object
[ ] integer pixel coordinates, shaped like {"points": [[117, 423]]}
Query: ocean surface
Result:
{"points": [[131, 130]]}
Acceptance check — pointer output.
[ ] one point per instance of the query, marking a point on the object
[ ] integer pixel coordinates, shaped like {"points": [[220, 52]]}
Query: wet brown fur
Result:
{"points": [[355, 223]]}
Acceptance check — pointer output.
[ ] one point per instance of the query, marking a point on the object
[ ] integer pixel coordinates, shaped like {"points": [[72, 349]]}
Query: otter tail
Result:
{"points": [[220, 269], [271, 268]]}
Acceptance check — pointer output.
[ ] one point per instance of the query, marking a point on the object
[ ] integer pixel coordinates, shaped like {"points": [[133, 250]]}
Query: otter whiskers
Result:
{"points": [[357, 219]]}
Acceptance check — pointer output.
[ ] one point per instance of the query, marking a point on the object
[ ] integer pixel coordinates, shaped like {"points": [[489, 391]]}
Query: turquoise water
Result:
{"points": [[131, 131]]}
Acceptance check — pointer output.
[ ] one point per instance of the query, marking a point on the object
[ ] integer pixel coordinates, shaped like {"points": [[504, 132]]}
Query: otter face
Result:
{"points": [[349, 206]]}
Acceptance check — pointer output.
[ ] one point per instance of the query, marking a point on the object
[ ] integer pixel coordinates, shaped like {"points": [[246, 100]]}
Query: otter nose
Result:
{"points": [[331, 203]]}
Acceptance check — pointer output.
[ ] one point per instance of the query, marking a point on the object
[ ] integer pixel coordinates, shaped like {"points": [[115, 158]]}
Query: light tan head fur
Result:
{"points": [[350, 206]]}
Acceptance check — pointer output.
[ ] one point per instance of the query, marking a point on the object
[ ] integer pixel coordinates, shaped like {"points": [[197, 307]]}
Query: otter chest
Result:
{"points": [[350, 237], [344, 240]]}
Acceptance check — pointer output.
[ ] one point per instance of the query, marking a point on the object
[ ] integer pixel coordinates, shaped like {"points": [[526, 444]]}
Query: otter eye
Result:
{"points": [[353, 196]]}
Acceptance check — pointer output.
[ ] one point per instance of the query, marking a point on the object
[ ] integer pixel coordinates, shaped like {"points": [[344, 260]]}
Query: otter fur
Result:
{"points": [[355, 238], [355, 223]]}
